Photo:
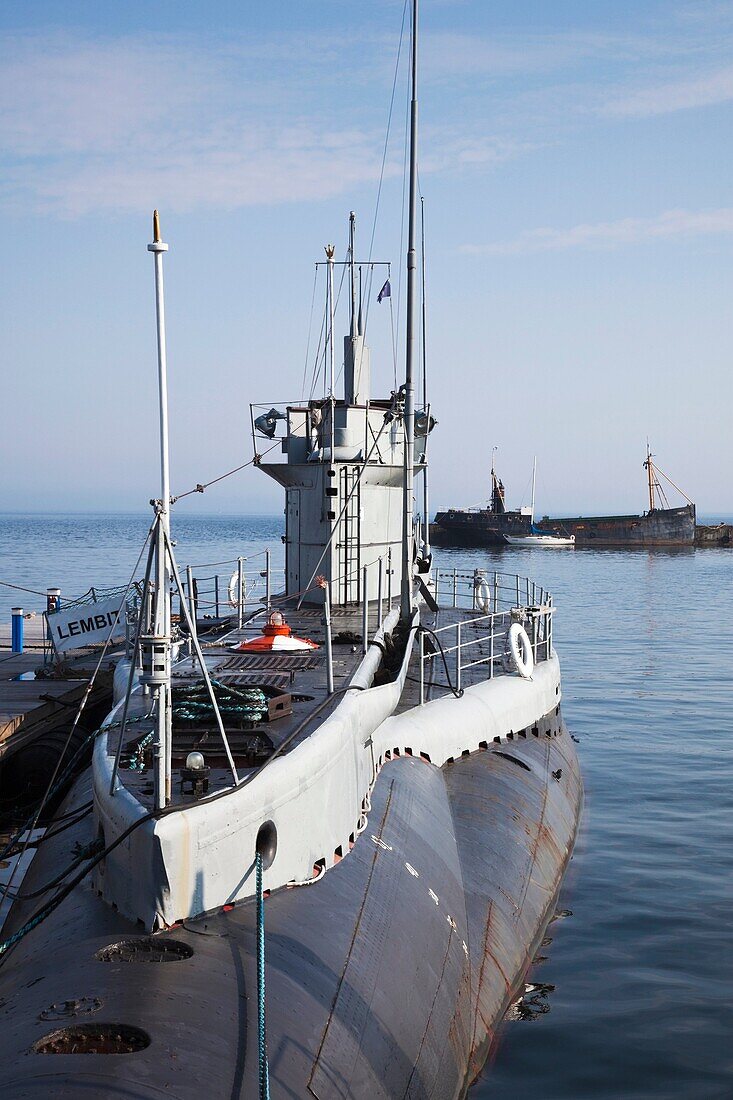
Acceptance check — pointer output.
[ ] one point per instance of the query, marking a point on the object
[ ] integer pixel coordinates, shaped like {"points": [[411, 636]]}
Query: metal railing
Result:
{"points": [[225, 595], [449, 651]]}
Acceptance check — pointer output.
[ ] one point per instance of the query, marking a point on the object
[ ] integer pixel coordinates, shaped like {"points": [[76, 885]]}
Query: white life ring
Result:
{"points": [[521, 650], [483, 594], [234, 589]]}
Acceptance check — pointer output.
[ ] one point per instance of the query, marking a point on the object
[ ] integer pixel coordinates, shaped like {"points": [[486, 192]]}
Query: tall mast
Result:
{"points": [[534, 482], [162, 606], [330, 250], [426, 494], [407, 532], [352, 273], [650, 475]]}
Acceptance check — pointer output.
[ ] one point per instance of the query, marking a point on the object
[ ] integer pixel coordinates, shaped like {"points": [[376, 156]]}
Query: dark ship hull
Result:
{"points": [[389, 977], [662, 527], [477, 528]]}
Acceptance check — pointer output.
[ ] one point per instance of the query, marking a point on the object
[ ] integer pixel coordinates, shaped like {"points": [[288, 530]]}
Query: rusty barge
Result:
{"points": [[660, 525]]}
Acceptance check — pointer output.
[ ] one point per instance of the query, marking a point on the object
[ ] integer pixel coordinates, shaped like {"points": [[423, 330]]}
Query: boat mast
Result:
{"points": [[534, 482], [649, 467], [159, 654], [407, 520], [426, 495]]}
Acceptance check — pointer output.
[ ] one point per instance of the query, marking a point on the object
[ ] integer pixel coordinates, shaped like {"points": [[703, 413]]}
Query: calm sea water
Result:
{"points": [[639, 978]]}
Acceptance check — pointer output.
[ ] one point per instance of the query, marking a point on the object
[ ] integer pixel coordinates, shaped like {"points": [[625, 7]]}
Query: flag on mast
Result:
{"points": [[385, 292]]}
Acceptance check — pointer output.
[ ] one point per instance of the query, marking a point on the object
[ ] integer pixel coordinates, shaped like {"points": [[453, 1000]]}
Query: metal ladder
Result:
{"points": [[350, 537]]}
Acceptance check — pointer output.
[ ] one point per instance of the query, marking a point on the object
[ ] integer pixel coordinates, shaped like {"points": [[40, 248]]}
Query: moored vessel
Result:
{"points": [[314, 870], [660, 526], [488, 526]]}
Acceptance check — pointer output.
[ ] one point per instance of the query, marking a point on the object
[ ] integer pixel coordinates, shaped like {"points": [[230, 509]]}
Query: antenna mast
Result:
{"points": [[407, 518], [426, 495], [352, 272], [158, 646]]}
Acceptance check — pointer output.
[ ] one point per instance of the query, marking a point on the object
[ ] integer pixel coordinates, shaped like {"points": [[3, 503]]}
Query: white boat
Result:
{"points": [[540, 540], [536, 537]]}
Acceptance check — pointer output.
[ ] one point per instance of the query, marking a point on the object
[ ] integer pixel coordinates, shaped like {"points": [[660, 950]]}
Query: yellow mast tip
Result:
{"points": [[156, 227]]}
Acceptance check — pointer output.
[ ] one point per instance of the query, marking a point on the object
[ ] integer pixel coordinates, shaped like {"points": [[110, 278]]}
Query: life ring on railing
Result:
{"points": [[483, 594], [233, 592], [521, 650]]}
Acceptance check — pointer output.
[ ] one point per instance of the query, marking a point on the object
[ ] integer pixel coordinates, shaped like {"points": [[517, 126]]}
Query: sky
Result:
{"points": [[575, 163]]}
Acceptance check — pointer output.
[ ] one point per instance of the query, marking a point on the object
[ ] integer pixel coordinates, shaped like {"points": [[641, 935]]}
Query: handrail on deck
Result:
{"points": [[509, 598]]}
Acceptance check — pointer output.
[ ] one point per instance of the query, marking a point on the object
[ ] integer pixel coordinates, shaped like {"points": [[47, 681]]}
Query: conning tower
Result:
{"points": [[343, 470]]}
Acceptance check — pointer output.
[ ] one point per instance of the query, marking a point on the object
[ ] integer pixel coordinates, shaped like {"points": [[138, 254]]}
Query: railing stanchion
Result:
{"points": [[329, 644], [240, 592], [422, 668], [216, 594], [365, 610], [458, 655], [379, 592], [192, 613], [455, 587], [267, 579], [491, 662], [389, 578], [496, 591]]}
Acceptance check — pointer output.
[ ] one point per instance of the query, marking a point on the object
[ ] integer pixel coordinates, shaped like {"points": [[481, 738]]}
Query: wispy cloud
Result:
{"points": [[683, 94], [114, 125], [626, 231], [119, 124]]}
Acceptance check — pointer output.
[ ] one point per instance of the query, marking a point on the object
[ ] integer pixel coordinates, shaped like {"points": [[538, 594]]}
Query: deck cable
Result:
{"points": [[264, 1074], [458, 692]]}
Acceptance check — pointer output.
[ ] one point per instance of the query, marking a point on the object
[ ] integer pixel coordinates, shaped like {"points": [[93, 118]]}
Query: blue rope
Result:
{"points": [[261, 1019]]}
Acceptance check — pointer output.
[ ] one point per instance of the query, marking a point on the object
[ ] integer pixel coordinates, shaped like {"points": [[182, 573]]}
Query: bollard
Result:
{"points": [[17, 630]]}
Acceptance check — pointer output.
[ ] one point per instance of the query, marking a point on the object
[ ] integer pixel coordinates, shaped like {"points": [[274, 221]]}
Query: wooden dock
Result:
{"points": [[33, 707]]}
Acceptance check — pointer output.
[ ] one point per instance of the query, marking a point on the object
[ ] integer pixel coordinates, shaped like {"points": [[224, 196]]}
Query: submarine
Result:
{"points": [[313, 856]]}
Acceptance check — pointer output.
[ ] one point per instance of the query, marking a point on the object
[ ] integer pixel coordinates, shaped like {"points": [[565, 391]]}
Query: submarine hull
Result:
{"points": [[387, 977]]}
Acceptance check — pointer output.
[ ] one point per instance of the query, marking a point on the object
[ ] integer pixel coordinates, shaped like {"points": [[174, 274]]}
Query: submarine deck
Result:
{"points": [[297, 683]]}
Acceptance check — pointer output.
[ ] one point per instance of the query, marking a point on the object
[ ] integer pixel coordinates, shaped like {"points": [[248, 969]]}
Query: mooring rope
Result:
{"points": [[264, 1075]]}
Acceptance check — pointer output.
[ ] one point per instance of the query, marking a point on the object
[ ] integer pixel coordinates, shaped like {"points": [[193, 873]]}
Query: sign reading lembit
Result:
{"points": [[88, 625]]}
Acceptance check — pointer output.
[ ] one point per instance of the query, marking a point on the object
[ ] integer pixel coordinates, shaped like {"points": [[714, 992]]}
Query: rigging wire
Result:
{"points": [[214, 481], [389, 127], [310, 328]]}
